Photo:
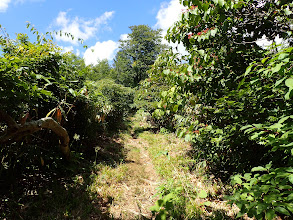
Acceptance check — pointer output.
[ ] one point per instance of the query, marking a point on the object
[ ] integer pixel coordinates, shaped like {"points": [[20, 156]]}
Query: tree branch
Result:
{"points": [[16, 132], [8, 119]]}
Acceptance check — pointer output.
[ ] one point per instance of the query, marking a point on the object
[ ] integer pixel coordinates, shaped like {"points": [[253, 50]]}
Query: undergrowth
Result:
{"points": [[186, 191]]}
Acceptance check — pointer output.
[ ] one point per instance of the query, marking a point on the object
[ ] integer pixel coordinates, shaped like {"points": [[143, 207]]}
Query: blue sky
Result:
{"points": [[100, 23]]}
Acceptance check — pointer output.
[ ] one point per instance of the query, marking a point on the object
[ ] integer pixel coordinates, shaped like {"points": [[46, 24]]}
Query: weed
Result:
{"points": [[185, 193]]}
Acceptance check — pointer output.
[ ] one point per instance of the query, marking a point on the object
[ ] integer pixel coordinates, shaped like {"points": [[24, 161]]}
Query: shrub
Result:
{"points": [[37, 80], [113, 101]]}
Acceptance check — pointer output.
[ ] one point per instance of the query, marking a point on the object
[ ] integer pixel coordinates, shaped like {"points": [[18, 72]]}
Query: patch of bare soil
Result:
{"points": [[138, 191]]}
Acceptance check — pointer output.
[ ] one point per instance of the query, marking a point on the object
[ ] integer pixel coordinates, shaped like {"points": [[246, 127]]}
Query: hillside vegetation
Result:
{"points": [[155, 135]]}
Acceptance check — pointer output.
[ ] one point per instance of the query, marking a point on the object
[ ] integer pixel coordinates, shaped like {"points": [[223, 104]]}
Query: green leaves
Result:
{"points": [[290, 177], [237, 97], [259, 168], [32, 71], [137, 53], [221, 2], [287, 11], [236, 179], [248, 69], [202, 194], [277, 68], [282, 56], [165, 206], [289, 82], [270, 214], [265, 190], [282, 210], [213, 32]]}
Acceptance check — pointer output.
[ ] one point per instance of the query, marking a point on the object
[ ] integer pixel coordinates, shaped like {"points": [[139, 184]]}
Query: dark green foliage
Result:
{"points": [[206, 101], [136, 55], [37, 80], [102, 70], [231, 98], [113, 101], [266, 193], [270, 82], [172, 203], [148, 94]]}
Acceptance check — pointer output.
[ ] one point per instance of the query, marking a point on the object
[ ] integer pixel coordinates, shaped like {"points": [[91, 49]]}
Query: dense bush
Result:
{"points": [[147, 97], [113, 101], [232, 98], [269, 84], [102, 70], [38, 80]]}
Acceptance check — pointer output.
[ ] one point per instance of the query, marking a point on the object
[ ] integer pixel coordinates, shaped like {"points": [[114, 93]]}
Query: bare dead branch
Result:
{"points": [[16, 132]]}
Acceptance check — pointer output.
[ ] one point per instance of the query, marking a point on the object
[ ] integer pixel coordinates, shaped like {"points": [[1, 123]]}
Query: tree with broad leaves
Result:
{"points": [[137, 53], [233, 98], [100, 71]]}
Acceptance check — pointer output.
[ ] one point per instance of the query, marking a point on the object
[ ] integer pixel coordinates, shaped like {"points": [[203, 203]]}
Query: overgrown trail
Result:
{"points": [[153, 160], [138, 189], [121, 182]]}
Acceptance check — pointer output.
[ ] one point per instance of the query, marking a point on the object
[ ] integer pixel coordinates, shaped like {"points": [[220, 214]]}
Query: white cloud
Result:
{"points": [[265, 43], [102, 50], [70, 49], [77, 52], [23, 1], [4, 5], [79, 27], [123, 36], [166, 16], [67, 49]]}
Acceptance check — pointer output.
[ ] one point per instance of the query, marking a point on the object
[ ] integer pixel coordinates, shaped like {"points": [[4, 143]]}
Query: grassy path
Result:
{"points": [[158, 163], [122, 178], [136, 191]]}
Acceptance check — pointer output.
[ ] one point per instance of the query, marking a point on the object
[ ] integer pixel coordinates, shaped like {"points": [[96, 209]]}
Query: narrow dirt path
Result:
{"points": [[152, 160], [140, 187]]}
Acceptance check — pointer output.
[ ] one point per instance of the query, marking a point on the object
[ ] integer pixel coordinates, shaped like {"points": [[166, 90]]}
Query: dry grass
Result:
{"points": [[128, 173], [169, 156], [152, 161], [130, 186]]}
